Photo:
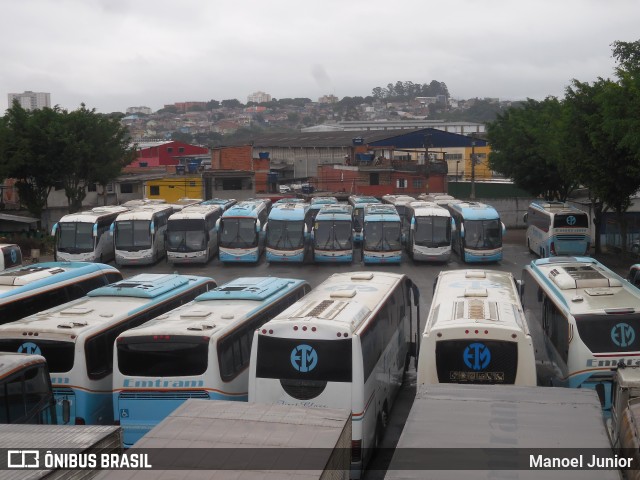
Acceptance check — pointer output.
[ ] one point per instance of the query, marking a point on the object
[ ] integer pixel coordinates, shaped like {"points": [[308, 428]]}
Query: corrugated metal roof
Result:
{"points": [[397, 138]]}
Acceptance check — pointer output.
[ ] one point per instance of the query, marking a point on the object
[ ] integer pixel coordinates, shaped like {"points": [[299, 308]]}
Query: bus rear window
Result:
{"points": [[304, 359], [571, 221], [162, 356], [59, 355], [610, 333]]}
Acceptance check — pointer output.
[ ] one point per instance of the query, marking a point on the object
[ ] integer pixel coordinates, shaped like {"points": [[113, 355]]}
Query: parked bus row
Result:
{"points": [[129, 353], [137, 232]]}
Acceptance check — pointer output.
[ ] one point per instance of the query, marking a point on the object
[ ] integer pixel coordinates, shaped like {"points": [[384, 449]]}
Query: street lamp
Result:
{"points": [[473, 171]]}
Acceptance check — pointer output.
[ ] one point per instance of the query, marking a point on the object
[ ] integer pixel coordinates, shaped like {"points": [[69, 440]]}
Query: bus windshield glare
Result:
{"points": [[482, 234], [133, 234], [432, 232], [382, 236], [238, 233], [186, 235], [333, 235], [285, 234], [75, 237]]}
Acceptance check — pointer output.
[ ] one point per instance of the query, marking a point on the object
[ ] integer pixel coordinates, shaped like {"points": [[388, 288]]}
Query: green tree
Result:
{"points": [[528, 145], [95, 149], [31, 145], [608, 167], [231, 103], [168, 109]]}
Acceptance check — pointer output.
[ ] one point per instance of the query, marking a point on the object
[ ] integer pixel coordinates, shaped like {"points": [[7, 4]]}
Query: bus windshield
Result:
{"points": [[133, 235], [284, 235], [75, 237], [274, 359], [27, 398], [483, 234], [382, 236], [238, 233], [570, 220], [186, 235], [432, 232], [333, 235], [59, 355], [179, 356]]}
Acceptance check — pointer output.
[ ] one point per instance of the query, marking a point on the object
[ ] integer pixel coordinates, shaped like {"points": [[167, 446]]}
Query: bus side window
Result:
{"points": [[15, 405], [36, 392]]}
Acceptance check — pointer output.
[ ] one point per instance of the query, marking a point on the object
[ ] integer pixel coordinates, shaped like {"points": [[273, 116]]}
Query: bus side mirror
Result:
{"points": [[461, 231], [525, 217], [95, 230], [520, 285], [453, 225], [54, 229], [258, 228], [207, 237], [112, 228], [152, 228], [264, 229], [217, 227], [413, 224], [504, 229]]}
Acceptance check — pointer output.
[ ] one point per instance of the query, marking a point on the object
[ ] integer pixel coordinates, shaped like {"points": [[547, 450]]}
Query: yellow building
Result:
{"points": [[482, 170], [175, 187]]}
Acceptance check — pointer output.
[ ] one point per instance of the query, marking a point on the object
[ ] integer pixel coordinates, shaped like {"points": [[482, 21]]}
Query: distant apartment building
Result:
{"points": [[31, 100], [259, 97], [184, 107], [328, 99], [145, 110]]}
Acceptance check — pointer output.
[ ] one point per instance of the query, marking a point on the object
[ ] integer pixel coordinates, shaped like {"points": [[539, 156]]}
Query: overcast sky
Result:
{"points": [[114, 54]]}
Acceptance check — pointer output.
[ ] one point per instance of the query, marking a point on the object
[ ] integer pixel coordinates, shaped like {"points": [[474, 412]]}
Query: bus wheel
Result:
{"points": [[377, 442]]}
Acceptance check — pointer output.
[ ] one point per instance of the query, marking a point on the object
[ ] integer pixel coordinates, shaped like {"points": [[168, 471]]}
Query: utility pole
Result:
{"points": [[473, 170]]}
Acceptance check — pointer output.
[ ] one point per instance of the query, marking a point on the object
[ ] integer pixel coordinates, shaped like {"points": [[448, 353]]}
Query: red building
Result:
{"points": [[169, 153], [380, 180]]}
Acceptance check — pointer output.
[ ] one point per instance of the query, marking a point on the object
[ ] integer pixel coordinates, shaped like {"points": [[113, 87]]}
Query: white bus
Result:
{"points": [[200, 350], [476, 332], [191, 234], [556, 228], [84, 236], [344, 345], [30, 289], [585, 319], [77, 338], [139, 234], [429, 233]]}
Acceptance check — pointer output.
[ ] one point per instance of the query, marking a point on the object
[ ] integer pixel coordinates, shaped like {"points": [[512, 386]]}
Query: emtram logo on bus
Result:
{"points": [[476, 356], [571, 220], [623, 335], [29, 348], [304, 358]]}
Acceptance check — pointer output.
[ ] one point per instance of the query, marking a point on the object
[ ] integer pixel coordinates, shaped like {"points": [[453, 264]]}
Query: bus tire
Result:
{"points": [[377, 442]]}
